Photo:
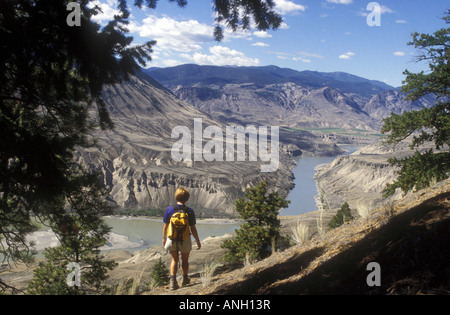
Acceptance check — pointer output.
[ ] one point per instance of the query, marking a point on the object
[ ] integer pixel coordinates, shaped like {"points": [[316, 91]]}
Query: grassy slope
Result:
{"points": [[409, 240]]}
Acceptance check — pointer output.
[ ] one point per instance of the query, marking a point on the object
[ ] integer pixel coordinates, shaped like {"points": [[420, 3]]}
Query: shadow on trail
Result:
{"points": [[259, 279], [412, 250]]}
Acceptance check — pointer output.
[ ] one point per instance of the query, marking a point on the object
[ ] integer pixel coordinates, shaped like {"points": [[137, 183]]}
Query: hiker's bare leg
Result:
{"points": [[185, 263], [174, 263]]}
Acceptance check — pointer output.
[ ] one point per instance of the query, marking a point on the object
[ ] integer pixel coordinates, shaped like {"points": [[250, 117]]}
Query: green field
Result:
{"points": [[337, 131]]}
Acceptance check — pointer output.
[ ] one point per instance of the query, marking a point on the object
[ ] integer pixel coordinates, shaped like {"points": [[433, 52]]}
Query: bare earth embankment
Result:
{"points": [[408, 239], [407, 236]]}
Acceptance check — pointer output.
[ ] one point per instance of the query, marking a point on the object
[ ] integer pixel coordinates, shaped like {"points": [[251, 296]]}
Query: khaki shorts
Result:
{"points": [[184, 247]]}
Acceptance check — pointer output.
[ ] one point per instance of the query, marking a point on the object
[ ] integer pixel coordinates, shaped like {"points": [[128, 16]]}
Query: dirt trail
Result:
{"points": [[409, 240]]}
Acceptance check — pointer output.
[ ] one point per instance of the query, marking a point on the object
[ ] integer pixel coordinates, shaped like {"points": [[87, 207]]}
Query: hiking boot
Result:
{"points": [[173, 284], [186, 281]]}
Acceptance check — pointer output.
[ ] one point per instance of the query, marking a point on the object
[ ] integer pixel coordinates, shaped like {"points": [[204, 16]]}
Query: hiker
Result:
{"points": [[174, 242]]}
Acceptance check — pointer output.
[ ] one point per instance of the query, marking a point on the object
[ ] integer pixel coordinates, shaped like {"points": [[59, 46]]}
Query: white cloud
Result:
{"points": [[107, 10], [284, 26], [170, 34], [283, 57], [169, 62], [179, 42], [285, 6], [286, 57], [174, 39], [346, 2], [399, 53], [260, 44], [383, 9], [302, 59], [302, 56], [262, 34], [229, 34], [310, 55], [347, 55], [222, 56], [401, 21]]}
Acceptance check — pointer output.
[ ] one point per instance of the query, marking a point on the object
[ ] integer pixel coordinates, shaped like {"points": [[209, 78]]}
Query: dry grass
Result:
{"points": [[300, 232], [207, 273], [409, 239], [130, 285], [364, 209]]}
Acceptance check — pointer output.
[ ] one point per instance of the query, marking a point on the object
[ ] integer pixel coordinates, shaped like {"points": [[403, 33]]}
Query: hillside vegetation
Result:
{"points": [[408, 239]]}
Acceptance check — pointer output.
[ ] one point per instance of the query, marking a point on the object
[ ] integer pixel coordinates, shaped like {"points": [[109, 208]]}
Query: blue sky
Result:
{"points": [[317, 35]]}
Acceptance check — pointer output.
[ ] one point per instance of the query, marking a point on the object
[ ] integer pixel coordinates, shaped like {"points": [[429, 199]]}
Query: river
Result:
{"points": [[140, 233], [135, 234], [303, 195]]}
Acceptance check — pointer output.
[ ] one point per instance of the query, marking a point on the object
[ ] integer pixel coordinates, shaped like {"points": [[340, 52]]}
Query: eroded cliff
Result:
{"points": [[360, 178], [136, 166]]}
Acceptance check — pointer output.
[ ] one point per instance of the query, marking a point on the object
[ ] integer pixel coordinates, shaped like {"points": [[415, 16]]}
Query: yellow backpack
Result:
{"points": [[178, 230]]}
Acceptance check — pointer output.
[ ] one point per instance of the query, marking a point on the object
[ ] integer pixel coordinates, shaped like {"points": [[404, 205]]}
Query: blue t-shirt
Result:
{"points": [[170, 211]]}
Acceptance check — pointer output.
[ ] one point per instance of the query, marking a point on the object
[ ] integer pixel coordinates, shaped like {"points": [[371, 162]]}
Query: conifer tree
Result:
{"points": [[160, 274], [428, 124], [52, 74], [81, 232], [260, 211], [343, 215]]}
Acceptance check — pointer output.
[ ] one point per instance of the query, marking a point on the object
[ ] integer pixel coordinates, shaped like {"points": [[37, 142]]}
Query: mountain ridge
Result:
{"points": [[135, 162], [136, 166], [260, 75], [286, 97]]}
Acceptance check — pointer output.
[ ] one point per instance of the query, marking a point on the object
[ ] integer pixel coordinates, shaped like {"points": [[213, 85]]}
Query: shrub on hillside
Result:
{"points": [[343, 215], [160, 274]]}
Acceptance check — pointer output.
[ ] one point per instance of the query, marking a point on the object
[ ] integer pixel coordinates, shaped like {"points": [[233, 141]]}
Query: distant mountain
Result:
{"points": [[208, 75], [137, 167], [393, 101], [285, 97], [135, 160]]}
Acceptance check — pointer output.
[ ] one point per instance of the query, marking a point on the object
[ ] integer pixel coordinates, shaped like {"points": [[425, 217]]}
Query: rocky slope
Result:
{"points": [[136, 164], [285, 97], [408, 239], [393, 101], [283, 104], [135, 160], [359, 178]]}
